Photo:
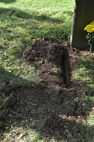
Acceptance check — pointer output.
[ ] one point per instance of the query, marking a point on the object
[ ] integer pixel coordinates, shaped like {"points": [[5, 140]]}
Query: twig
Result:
{"points": [[56, 26], [13, 112]]}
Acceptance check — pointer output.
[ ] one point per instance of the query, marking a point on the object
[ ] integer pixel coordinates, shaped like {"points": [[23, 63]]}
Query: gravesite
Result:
{"points": [[47, 71]]}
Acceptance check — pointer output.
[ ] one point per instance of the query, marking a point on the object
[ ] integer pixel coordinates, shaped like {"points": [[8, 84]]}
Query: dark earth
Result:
{"points": [[50, 104]]}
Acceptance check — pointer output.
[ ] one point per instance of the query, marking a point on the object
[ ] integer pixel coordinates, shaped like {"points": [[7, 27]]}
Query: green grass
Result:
{"points": [[21, 23], [84, 72]]}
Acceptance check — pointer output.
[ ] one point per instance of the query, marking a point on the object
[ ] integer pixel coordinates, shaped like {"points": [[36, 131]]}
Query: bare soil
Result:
{"points": [[50, 103]]}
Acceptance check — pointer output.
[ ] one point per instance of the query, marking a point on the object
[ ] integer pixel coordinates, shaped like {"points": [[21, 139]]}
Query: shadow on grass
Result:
{"points": [[7, 1], [22, 14], [7, 76], [30, 24], [39, 110], [69, 13], [43, 109]]}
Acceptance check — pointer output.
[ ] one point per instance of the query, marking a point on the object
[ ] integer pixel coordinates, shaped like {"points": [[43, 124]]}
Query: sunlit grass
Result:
{"points": [[84, 72], [22, 22]]}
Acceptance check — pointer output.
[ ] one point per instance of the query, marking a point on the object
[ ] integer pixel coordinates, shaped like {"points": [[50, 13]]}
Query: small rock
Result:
{"points": [[76, 100]]}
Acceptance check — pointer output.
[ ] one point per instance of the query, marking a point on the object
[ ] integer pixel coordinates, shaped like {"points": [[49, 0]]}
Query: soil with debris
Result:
{"points": [[48, 106]]}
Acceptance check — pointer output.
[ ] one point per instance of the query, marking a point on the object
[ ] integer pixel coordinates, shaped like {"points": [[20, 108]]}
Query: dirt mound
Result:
{"points": [[53, 58]]}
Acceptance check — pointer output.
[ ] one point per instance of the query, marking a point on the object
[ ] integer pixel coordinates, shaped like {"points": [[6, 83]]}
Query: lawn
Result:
{"points": [[24, 22], [31, 36]]}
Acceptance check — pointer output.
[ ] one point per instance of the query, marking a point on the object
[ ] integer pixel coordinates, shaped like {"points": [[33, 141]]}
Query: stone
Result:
{"points": [[76, 100]]}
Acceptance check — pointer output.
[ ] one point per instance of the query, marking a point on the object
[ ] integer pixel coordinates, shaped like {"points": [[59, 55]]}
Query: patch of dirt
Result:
{"points": [[49, 105], [54, 60]]}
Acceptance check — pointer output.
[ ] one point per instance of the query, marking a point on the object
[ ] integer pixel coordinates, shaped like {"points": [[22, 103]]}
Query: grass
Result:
{"points": [[21, 23], [85, 73]]}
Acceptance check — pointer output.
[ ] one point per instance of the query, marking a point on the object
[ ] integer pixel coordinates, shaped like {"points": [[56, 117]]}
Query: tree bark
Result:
{"points": [[83, 15]]}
